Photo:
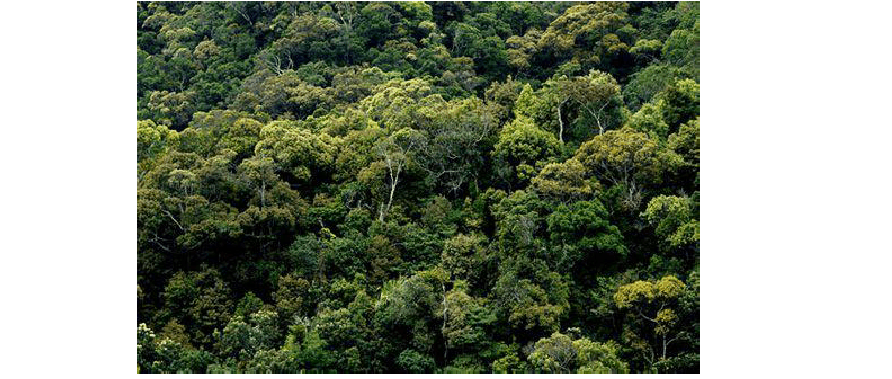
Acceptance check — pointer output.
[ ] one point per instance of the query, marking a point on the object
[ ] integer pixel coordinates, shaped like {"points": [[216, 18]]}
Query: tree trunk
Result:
{"points": [[561, 122], [390, 200], [561, 119]]}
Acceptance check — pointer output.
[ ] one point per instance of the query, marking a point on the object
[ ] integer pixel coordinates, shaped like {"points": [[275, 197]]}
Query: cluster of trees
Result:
{"points": [[418, 187]]}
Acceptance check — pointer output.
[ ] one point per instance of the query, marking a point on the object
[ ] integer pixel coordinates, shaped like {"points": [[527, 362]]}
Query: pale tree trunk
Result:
{"points": [[392, 190], [347, 14], [561, 121], [395, 162], [597, 116], [394, 180]]}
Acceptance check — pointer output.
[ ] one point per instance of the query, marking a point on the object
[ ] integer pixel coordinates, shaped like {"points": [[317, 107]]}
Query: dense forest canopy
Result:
{"points": [[418, 187]]}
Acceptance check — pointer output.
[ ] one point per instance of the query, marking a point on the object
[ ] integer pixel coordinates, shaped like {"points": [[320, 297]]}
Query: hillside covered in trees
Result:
{"points": [[418, 187]]}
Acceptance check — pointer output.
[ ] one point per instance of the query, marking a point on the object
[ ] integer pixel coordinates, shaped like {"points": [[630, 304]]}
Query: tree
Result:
{"points": [[509, 364], [414, 362], [501, 98], [468, 323], [338, 332], [596, 94], [241, 137], [655, 302], [519, 224], [377, 23], [564, 181], [686, 142], [413, 311], [152, 141], [581, 233], [459, 133], [647, 50], [674, 220], [463, 255], [397, 152], [292, 298], [648, 82], [531, 307], [260, 331], [520, 146], [521, 49], [350, 162], [682, 48], [394, 105], [311, 37], [687, 347], [347, 332], [201, 299], [173, 108], [628, 158], [260, 174], [478, 38], [573, 104], [383, 258], [298, 152], [562, 355], [649, 119], [681, 103], [163, 355], [588, 33], [347, 16], [145, 347]]}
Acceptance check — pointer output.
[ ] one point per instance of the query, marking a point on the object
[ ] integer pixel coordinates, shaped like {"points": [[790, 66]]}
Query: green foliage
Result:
{"points": [[581, 233], [641, 291], [414, 362], [559, 354], [648, 82], [681, 102], [596, 96], [468, 322], [521, 49], [296, 151], [201, 299], [247, 336], [656, 303], [535, 307], [686, 142], [502, 96], [682, 47], [519, 223], [674, 220], [649, 119], [418, 187], [248, 305], [455, 135], [522, 143], [629, 159], [509, 364], [463, 255], [290, 297], [564, 181], [588, 34], [574, 107]]}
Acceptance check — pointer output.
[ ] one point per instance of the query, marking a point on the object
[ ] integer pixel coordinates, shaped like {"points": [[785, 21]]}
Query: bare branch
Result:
{"points": [[174, 219]]}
